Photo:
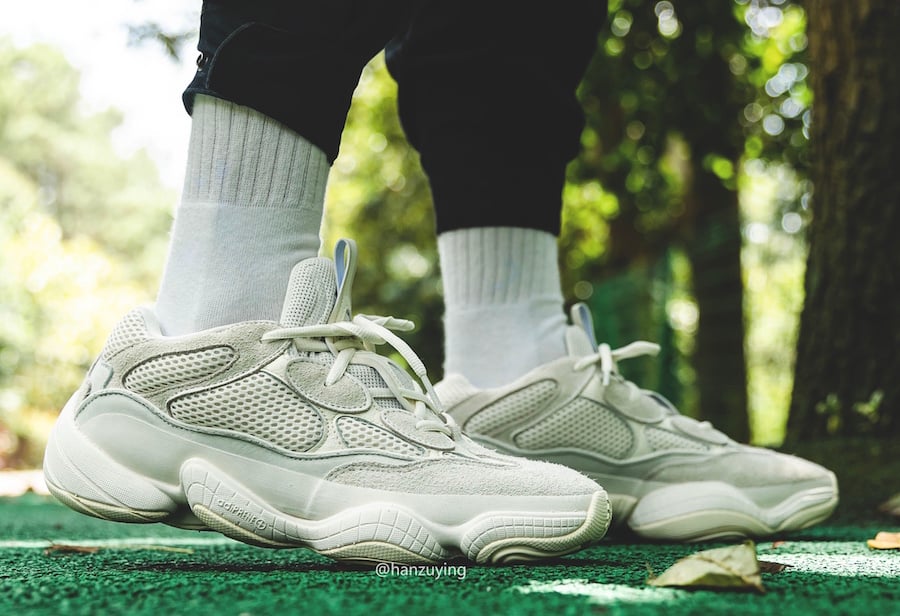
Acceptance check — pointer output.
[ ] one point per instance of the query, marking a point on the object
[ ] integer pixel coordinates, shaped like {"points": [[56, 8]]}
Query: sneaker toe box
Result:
{"points": [[748, 467], [466, 477]]}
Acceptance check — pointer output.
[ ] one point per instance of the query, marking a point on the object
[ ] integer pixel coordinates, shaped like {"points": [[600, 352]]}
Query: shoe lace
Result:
{"points": [[607, 357], [344, 339]]}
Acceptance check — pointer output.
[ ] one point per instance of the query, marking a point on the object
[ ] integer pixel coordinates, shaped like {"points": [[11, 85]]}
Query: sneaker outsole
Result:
{"points": [[83, 477], [374, 533], [672, 513]]}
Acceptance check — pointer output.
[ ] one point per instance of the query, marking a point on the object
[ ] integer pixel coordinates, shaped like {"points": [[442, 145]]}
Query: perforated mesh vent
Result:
{"points": [[259, 405], [165, 371], [388, 403], [366, 375], [130, 330], [663, 439], [357, 432], [512, 408], [369, 377], [584, 424]]}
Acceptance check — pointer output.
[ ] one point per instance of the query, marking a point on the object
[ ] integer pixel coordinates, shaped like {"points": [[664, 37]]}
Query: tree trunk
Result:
{"points": [[711, 231], [847, 378], [713, 245]]}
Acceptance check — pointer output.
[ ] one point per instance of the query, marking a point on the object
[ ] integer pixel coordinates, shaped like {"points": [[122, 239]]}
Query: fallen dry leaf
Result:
{"points": [[93, 549], [730, 568], [766, 566], [885, 541], [66, 548]]}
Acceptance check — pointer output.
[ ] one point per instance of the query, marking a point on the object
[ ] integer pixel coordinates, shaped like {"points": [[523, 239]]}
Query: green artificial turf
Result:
{"points": [[136, 571]]}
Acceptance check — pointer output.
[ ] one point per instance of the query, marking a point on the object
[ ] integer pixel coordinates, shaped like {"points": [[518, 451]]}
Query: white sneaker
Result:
{"points": [[299, 434], [668, 476]]}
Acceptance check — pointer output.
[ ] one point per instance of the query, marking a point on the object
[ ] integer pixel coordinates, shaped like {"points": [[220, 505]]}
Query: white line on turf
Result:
{"points": [[124, 542]]}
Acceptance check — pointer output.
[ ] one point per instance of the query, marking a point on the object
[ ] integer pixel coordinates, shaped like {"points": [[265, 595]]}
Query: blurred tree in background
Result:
{"points": [[379, 195], [679, 100], [684, 218], [663, 137], [676, 106], [82, 234], [848, 369]]}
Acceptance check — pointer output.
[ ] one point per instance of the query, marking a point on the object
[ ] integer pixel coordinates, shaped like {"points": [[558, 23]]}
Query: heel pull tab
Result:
{"points": [[581, 316], [345, 258]]}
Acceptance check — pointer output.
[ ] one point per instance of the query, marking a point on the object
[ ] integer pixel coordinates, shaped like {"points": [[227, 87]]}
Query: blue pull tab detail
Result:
{"points": [[344, 269], [582, 314], [343, 252]]}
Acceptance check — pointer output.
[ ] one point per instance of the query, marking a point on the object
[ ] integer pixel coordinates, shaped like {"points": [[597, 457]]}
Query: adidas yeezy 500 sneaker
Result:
{"points": [[668, 476], [298, 434]]}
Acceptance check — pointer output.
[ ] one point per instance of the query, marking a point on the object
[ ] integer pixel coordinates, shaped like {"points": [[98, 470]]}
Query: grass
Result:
{"points": [[154, 569], [107, 568]]}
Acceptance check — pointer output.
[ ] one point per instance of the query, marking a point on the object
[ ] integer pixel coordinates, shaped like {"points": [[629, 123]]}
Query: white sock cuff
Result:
{"points": [[238, 156], [498, 265]]}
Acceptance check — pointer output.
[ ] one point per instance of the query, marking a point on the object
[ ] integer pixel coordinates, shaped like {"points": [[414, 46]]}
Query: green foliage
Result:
{"points": [[774, 259], [82, 235], [379, 195], [624, 200], [654, 118], [83, 232]]}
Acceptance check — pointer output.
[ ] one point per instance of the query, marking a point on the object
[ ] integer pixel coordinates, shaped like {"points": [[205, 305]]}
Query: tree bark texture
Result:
{"points": [[847, 378], [710, 230], [713, 245]]}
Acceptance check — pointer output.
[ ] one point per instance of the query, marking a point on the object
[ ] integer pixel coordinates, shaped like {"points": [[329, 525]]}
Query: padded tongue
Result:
{"points": [[318, 293], [319, 289]]}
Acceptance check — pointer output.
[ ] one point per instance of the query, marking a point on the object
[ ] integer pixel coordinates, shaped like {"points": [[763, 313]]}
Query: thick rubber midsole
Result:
{"points": [[704, 509], [122, 456]]}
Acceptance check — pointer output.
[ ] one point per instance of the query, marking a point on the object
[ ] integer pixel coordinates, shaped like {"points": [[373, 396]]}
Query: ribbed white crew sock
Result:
{"points": [[504, 305], [251, 208]]}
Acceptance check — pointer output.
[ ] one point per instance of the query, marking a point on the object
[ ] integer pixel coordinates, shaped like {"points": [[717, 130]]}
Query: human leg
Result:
{"points": [[669, 477], [295, 432], [487, 96], [250, 209], [268, 103]]}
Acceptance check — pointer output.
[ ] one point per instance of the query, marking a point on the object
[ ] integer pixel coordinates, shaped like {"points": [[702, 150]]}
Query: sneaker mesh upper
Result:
{"points": [[259, 405], [513, 408], [585, 424], [356, 432], [663, 439], [366, 375], [311, 292], [130, 330], [237, 382], [177, 369]]}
